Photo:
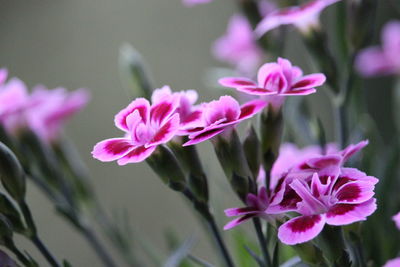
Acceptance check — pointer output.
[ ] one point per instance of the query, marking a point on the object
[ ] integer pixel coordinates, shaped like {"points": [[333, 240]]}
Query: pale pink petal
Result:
{"points": [[396, 219], [205, 135], [309, 204], [255, 90], [309, 81], [166, 132], [161, 94], [372, 62], [342, 214], [238, 221], [3, 75], [301, 229], [270, 76], [393, 263], [353, 174], [137, 155], [140, 104], [391, 41], [112, 149], [226, 107], [251, 108], [352, 149], [299, 92], [355, 192], [240, 211], [236, 82]]}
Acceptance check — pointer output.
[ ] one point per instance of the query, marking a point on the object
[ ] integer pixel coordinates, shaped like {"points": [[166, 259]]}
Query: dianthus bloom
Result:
{"points": [[317, 187], [146, 126], [238, 46], [396, 219], [304, 17], [191, 3], [393, 263], [221, 115], [277, 78], [43, 111], [374, 61]]}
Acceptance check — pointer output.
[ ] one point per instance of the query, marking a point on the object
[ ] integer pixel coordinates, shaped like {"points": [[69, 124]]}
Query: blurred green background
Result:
{"points": [[75, 44]]}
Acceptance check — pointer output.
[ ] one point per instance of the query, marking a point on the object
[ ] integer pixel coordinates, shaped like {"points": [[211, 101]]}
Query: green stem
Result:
{"points": [[21, 257], [263, 242]]}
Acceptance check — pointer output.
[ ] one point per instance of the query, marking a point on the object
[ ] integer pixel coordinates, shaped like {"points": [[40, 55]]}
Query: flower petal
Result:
{"points": [[301, 229], [137, 155], [309, 81], [112, 149], [203, 136], [355, 192], [163, 110], [166, 132], [393, 263], [299, 92], [240, 211], [236, 82], [396, 219], [342, 214], [251, 108], [238, 221], [140, 104], [270, 76], [254, 90]]}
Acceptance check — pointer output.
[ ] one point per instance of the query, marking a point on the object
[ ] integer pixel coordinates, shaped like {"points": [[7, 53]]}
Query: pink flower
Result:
{"points": [[257, 206], [383, 60], [279, 78], [47, 110], [189, 114], [221, 115], [146, 126], [191, 3], [396, 219], [304, 17], [3, 76], [238, 46], [393, 263], [334, 201]]}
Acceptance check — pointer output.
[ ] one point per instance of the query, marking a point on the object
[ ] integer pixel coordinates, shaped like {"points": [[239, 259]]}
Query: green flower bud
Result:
{"points": [[165, 165], [8, 209], [12, 175], [252, 150]]}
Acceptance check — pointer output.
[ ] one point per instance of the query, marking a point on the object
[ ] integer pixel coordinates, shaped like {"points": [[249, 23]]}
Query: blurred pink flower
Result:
{"points": [[146, 126], [238, 46], [393, 263], [48, 110], [374, 61], [191, 3], [220, 115], [280, 78], [304, 17], [396, 219], [3, 75]]}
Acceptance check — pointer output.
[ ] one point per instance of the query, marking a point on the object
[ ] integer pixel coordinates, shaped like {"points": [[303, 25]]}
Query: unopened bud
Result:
{"points": [[252, 149], [11, 173]]}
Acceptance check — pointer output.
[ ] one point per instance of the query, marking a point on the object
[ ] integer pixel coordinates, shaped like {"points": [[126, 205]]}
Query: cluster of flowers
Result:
{"points": [[308, 182], [315, 185], [43, 111]]}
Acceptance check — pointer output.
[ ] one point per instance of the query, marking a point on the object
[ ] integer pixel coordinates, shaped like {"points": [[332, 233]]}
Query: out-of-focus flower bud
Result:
{"points": [[232, 158], [165, 165], [134, 73], [11, 174], [8, 209], [252, 150]]}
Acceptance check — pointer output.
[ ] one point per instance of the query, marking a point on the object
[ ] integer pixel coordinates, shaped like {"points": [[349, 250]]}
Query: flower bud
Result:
{"points": [[134, 72], [8, 209], [252, 150], [232, 158], [11, 174], [165, 165]]}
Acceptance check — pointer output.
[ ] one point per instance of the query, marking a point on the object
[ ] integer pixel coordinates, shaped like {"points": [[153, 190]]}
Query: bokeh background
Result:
{"points": [[75, 44]]}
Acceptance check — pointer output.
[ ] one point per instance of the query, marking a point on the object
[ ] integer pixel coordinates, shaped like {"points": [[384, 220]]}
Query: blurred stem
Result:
{"points": [[33, 236], [262, 241], [21, 257], [204, 211]]}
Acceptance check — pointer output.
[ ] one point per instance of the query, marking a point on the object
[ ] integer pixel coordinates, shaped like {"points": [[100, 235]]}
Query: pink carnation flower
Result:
{"points": [[220, 115], [304, 17], [396, 219], [146, 126], [280, 78], [238, 46], [383, 60], [393, 263], [47, 110], [191, 3]]}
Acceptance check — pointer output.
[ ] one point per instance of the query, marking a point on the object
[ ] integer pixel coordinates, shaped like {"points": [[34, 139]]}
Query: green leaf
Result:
{"points": [[181, 253]]}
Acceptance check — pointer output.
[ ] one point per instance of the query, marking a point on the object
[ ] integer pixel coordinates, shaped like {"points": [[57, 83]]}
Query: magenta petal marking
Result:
{"points": [[136, 155], [240, 211], [254, 90], [301, 229], [112, 149], [161, 111], [166, 132], [355, 192], [140, 104], [235, 82], [342, 214], [251, 108], [299, 92]]}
